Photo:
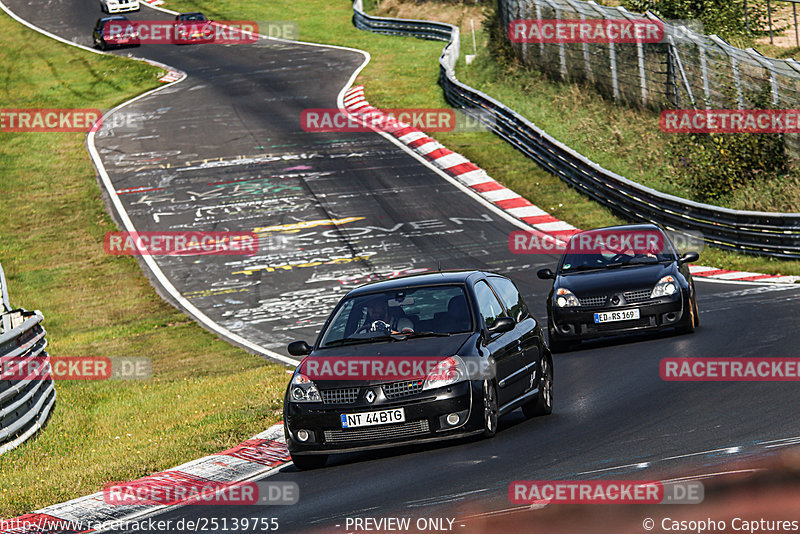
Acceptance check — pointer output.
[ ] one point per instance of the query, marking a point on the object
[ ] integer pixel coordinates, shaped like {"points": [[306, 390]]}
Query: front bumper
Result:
{"points": [[194, 37], [424, 420], [122, 43], [578, 323], [123, 8]]}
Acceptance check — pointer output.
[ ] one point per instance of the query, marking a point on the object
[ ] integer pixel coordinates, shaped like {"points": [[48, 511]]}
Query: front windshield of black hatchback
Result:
{"points": [[594, 251], [399, 314]]}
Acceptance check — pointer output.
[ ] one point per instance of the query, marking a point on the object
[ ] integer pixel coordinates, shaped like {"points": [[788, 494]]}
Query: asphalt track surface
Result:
{"points": [[224, 150]]}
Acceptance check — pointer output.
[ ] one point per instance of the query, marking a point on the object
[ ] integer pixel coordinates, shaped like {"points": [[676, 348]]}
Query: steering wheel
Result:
{"points": [[618, 257], [373, 327]]}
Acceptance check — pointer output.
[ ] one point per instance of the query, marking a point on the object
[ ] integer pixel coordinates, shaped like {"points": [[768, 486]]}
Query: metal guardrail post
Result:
{"points": [[25, 403], [773, 79], [682, 71], [642, 72], [539, 17]]}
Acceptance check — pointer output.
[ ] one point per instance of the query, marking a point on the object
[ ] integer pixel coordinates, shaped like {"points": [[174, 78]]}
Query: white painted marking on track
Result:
{"points": [[710, 475], [640, 465], [794, 438]]}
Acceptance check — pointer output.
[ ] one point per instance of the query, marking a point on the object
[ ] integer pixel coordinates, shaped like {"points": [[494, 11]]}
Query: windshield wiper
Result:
{"points": [[592, 267], [426, 334], [646, 260], [355, 340]]}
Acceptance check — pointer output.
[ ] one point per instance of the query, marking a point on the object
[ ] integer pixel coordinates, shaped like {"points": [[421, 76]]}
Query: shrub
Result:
{"points": [[722, 17]]}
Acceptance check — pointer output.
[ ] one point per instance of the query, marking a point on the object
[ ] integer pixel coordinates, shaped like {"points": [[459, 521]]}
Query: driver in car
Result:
{"points": [[379, 319]]}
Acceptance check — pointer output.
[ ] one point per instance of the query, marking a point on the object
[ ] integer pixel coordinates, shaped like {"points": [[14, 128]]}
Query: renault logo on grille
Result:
{"points": [[370, 396], [615, 299]]}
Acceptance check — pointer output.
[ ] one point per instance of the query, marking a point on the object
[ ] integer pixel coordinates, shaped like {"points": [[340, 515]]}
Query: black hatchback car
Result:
{"points": [[619, 279], [115, 32], [415, 359]]}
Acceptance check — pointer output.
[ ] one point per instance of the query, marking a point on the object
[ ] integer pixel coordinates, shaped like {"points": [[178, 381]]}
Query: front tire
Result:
{"points": [[694, 319], [490, 409], [310, 461], [543, 405]]}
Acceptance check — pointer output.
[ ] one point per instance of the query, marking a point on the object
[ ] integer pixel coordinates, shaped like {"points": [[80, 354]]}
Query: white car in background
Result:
{"points": [[119, 6]]}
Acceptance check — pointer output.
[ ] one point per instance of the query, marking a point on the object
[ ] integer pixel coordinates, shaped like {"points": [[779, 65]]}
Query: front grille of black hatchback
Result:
{"points": [[339, 396], [370, 433]]}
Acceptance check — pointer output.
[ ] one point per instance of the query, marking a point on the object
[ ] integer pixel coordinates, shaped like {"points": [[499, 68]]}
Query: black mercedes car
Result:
{"points": [[415, 359], [619, 279]]}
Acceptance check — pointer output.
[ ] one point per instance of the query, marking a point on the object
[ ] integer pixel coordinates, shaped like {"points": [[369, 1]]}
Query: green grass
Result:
{"points": [[205, 395]]}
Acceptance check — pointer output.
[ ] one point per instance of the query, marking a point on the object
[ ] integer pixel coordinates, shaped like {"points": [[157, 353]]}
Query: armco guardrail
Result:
{"points": [[770, 234], [24, 404]]}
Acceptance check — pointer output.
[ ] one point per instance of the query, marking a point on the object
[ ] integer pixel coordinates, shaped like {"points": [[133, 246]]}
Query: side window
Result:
{"points": [[669, 247], [510, 297], [490, 308], [343, 324]]}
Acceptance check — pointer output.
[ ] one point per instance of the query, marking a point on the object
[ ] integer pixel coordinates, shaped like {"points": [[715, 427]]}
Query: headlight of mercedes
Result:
{"points": [[665, 287], [303, 389], [565, 298]]}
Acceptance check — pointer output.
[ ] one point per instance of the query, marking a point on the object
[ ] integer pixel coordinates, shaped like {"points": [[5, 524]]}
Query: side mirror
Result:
{"points": [[689, 256], [299, 348], [546, 274], [501, 325]]}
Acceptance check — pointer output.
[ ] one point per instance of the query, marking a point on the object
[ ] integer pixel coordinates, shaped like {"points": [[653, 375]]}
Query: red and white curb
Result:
{"points": [[742, 276], [254, 458], [504, 198], [172, 75]]}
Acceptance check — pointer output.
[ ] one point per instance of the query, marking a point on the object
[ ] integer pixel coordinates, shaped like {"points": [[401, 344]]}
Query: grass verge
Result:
{"points": [[52, 222]]}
